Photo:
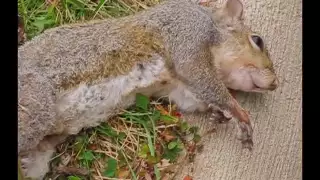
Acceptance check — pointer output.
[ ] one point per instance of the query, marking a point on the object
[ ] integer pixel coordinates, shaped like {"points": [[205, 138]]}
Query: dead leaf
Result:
{"points": [[142, 172], [147, 176], [153, 160], [166, 177], [52, 2], [191, 147], [177, 114], [187, 177], [121, 127], [191, 151], [163, 164], [123, 173], [173, 107], [93, 147], [64, 159], [159, 150], [162, 109], [21, 32], [143, 164], [168, 136]]}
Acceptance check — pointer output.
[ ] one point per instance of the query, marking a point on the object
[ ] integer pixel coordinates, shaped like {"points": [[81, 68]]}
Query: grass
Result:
{"points": [[146, 141], [38, 15]]}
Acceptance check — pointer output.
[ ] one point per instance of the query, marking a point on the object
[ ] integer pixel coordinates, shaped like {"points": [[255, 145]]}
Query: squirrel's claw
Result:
{"points": [[247, 144], [245, 135], [244, 125]]}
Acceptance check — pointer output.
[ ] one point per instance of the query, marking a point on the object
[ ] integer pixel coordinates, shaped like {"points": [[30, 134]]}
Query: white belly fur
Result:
{"points": [[88, 106]]}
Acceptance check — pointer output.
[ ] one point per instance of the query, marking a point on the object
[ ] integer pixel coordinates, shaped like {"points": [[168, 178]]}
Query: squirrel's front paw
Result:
{"points": [[218, 115], [245, 135]]}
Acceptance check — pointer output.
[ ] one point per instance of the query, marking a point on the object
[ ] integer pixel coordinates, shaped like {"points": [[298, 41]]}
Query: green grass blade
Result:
{"points": [[96, 11], [154, 131], [157, 172], [130, 168], [150, 144]]}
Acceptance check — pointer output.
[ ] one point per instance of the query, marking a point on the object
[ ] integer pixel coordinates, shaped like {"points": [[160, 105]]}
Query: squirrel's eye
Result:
{"points": [[257, 40]]}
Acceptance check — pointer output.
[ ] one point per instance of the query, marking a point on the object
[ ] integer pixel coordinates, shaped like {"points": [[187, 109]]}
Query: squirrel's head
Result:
{"points": [[242, 58]]}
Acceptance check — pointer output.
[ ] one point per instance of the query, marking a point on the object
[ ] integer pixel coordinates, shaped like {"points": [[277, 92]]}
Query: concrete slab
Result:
{"points": [[276, 116]]}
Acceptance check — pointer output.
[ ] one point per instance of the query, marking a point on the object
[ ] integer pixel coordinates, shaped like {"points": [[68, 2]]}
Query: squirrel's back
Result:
{"points": [[61, 51]]}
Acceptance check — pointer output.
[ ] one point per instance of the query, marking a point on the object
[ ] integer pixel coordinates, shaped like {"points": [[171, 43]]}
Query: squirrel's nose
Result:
{"points": [[274, 84]]}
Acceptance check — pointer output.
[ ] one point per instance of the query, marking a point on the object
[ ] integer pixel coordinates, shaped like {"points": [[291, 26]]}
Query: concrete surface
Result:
{"points": [[276, 116]]}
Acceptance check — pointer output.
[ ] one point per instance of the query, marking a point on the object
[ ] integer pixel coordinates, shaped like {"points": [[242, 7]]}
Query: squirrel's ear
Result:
{"points": [[234, 9]]}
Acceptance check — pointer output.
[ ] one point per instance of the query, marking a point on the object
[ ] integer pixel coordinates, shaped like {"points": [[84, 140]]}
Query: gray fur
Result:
{"points": [[45, 61]]}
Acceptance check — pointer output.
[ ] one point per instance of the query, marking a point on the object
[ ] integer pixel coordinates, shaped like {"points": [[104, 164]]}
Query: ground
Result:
{"points": [[276, 116]]}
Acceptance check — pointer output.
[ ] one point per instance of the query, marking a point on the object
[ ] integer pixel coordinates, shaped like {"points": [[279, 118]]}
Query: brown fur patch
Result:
{"points": [[140, 45]]}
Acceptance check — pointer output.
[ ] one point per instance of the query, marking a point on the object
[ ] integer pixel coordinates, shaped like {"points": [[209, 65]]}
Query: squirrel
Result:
{"points": [[76, 76]]}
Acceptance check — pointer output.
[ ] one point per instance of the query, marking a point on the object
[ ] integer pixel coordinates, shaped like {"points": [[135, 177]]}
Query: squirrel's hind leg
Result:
{"points": [[36, 162]]}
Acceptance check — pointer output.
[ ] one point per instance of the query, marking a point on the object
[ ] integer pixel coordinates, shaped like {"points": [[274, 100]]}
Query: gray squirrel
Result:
{"points": [[77, 76]]}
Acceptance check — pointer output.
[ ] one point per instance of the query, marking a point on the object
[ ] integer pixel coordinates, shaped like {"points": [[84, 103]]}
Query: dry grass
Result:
{"points": [[147, 141]]}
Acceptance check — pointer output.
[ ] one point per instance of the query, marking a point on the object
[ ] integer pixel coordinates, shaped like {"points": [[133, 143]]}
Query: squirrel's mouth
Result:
{"points": [[258, 89]]}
